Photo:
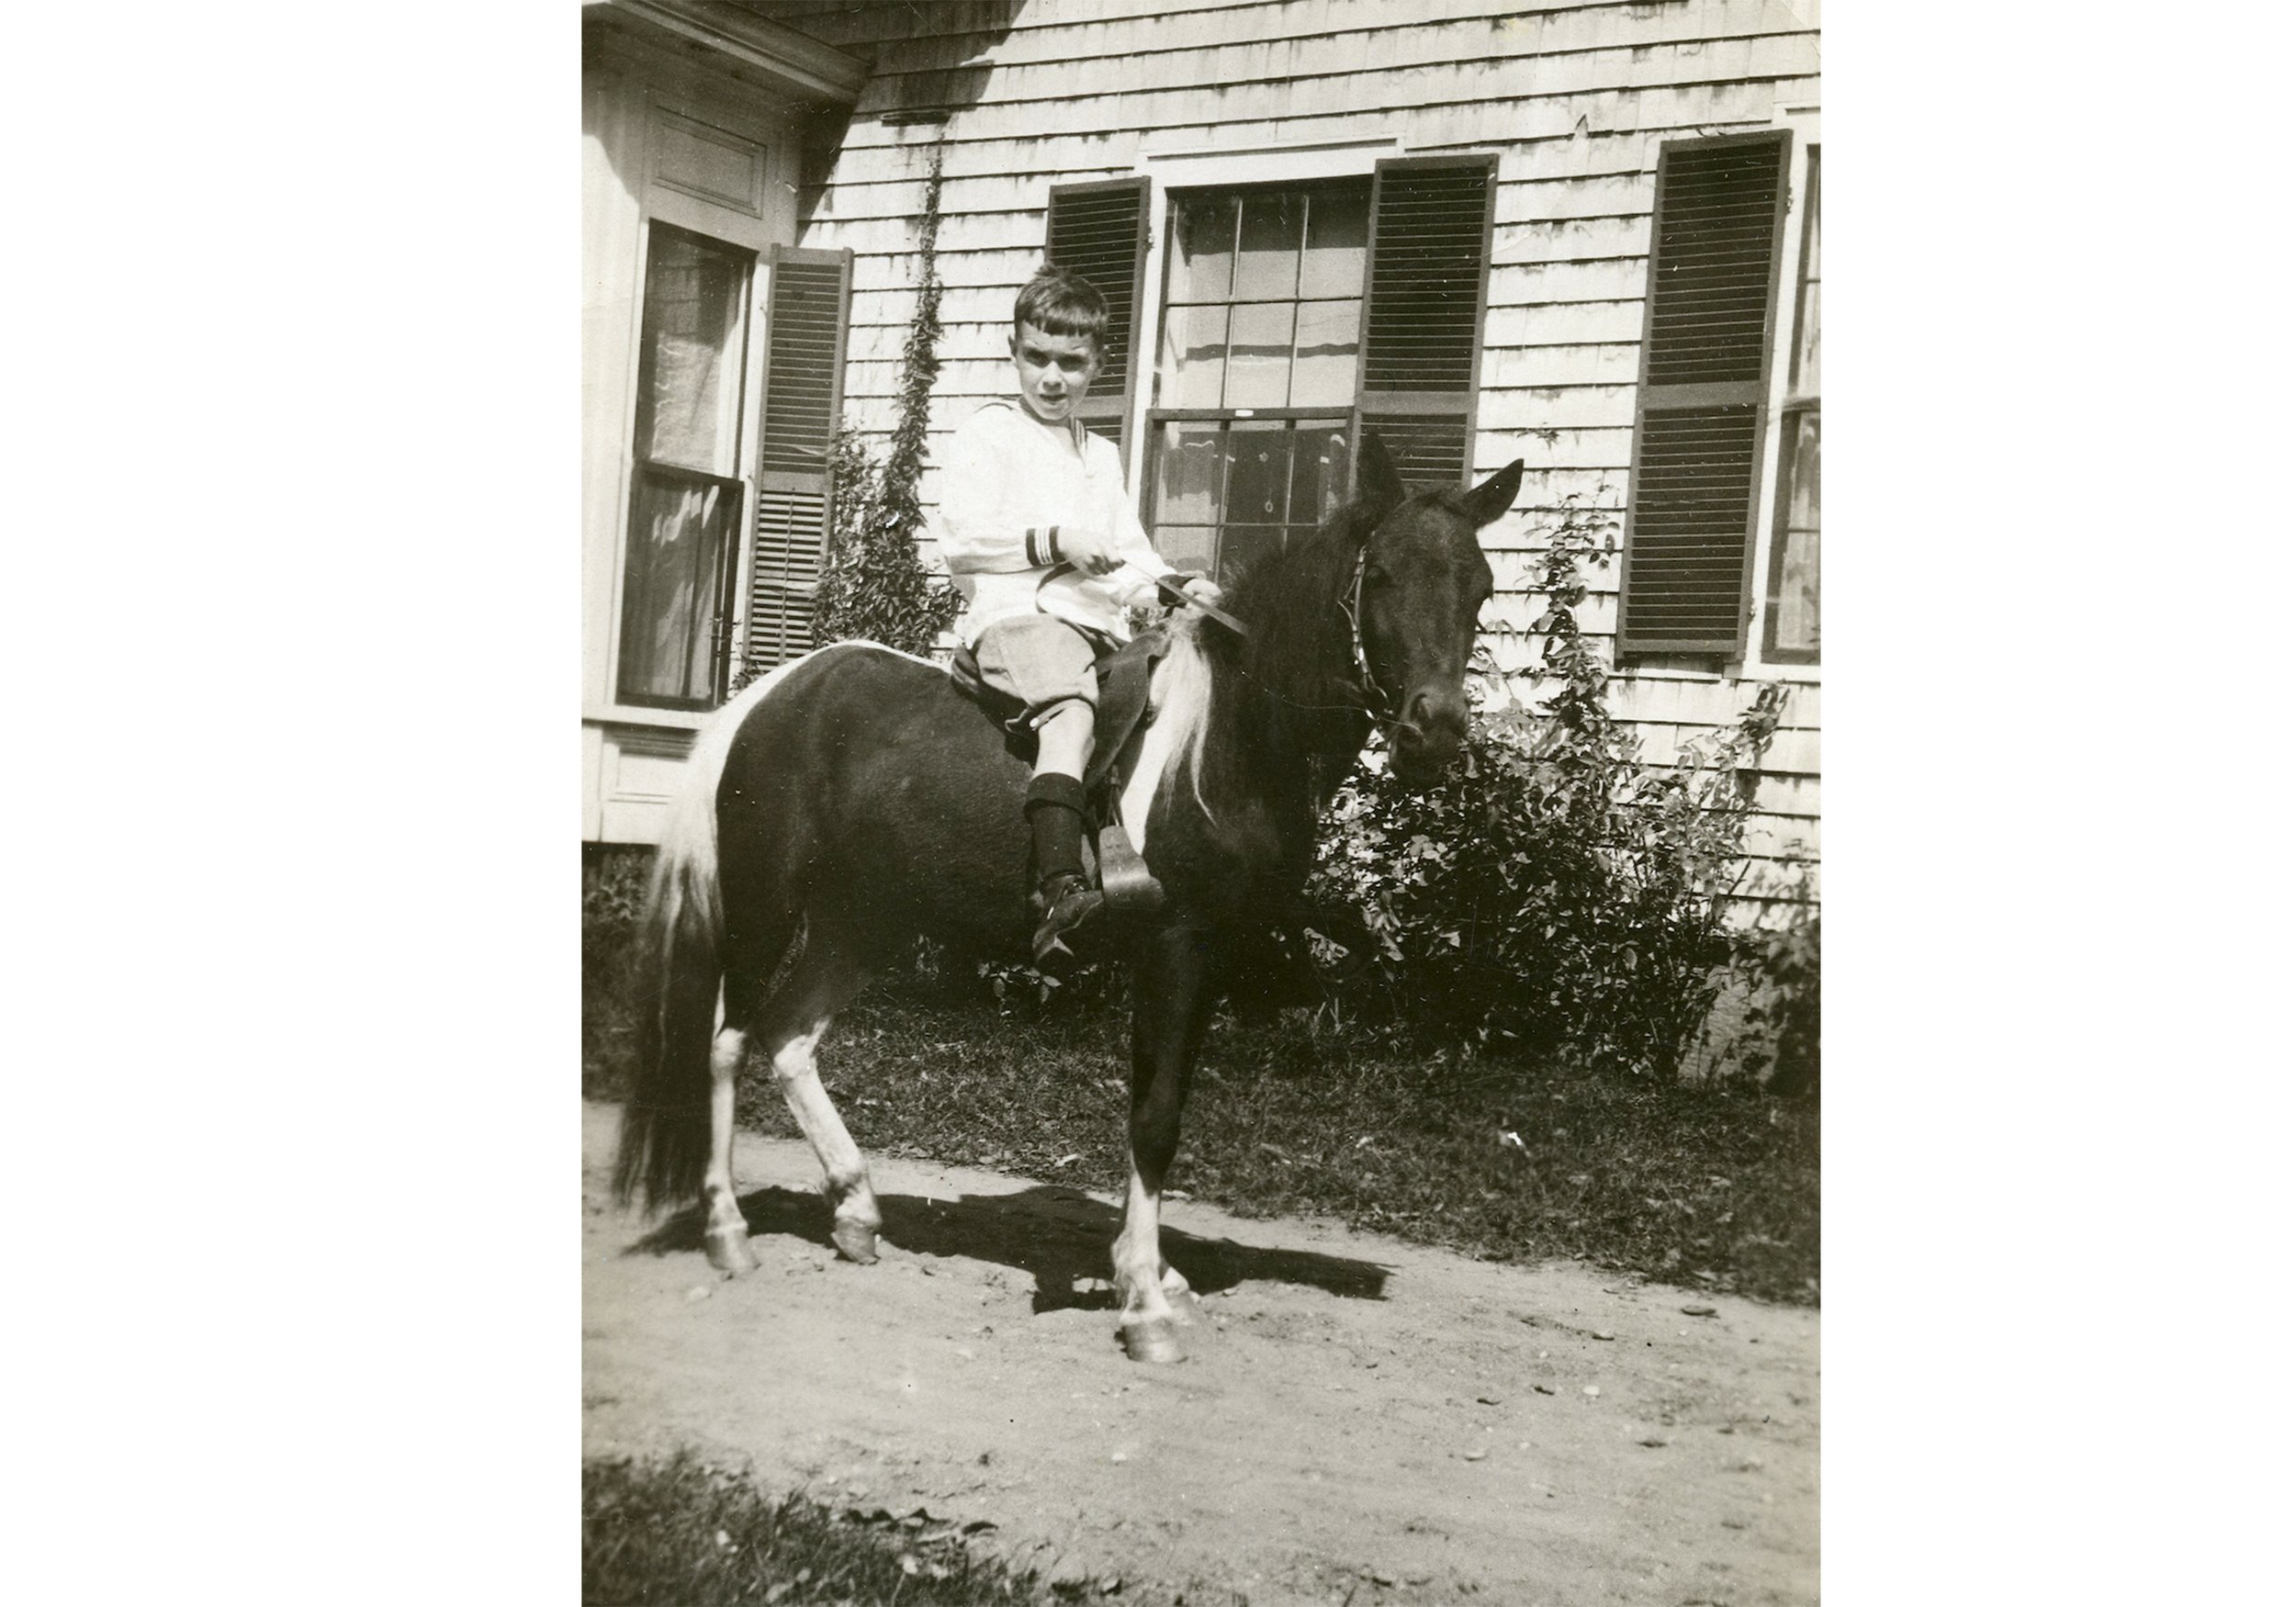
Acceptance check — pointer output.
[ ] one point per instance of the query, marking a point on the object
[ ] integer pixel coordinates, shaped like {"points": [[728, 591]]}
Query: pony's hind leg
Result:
{"points": [[821, 982], [724, 1232]]}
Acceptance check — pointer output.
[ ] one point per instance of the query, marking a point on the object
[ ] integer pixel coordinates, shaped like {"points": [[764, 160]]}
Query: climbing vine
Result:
{"points": [[873, 583]]}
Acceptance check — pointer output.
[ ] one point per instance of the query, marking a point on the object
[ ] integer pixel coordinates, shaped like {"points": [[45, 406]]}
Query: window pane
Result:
{"points": [[1339, 226], [671, 589], [1195, 358], [1267, 256], [1319, 472], [1188, 546], [689, 352], [1187, 476], [1244, 545], [1323, 372], [1203, 250], [1794, 571], [1259, 475], [1259, 356]]}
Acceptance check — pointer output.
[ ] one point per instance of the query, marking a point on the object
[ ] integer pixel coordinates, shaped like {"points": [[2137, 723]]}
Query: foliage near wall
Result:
{"points": [[1553, 894], [874, 585]]}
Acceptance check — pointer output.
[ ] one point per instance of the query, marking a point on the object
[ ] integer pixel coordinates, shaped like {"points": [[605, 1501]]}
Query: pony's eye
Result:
{"points": [[1373, 580]]}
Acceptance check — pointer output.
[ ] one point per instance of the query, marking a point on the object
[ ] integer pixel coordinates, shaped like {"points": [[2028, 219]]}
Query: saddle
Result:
{"points": [[1122, 720]]}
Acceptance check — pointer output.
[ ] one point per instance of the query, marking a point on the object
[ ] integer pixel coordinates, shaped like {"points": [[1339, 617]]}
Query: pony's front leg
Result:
{"points": [[1172, 1002]]}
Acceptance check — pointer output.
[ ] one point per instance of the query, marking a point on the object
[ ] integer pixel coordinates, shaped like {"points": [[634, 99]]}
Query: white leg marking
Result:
{"points": [[1139, 1255], [723, 1232]]}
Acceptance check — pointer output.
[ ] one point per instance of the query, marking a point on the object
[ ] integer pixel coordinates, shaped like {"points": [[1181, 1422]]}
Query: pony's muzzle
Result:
{"points": [[1428, 735], [1435, 711]]}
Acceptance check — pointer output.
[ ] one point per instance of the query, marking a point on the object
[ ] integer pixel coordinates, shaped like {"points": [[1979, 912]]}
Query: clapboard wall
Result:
{"points": [[1575, 100]]}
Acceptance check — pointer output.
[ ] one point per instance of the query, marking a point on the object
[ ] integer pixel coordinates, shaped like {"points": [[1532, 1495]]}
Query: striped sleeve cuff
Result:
{"points": [[1044, 547]]}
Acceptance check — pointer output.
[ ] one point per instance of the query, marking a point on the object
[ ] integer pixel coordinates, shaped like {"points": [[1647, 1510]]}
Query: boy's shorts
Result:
{"points": [[1043, 661]]}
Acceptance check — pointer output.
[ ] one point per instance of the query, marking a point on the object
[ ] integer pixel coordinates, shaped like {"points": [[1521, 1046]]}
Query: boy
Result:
{"points": [[1041, 533]]}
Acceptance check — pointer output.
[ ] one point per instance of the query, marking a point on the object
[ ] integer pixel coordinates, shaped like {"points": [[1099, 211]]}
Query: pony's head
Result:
{"points": [[1422, 578]]}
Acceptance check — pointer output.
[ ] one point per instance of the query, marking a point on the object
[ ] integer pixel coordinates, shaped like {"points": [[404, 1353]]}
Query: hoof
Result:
{"points": [[728, 1249], [1155, 1339], [855, 1241]]}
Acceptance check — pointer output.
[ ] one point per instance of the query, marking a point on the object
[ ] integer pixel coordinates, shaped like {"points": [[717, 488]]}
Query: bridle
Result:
{"points": [[1352, 607], [1371, 698]]}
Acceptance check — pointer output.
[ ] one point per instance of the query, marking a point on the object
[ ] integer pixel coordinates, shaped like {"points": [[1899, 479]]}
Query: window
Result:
{"points": [[1790, 634], [1292, 318], [1702, 403], [686, 494], [1257, 369]]}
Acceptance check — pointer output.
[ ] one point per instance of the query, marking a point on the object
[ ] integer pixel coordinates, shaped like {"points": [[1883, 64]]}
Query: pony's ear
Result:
{"points": [[1491, 500], [1378, 486]]}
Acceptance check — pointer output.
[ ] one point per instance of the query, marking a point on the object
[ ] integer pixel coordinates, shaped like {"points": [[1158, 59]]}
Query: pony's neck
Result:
{"points": [[1289, 687]]}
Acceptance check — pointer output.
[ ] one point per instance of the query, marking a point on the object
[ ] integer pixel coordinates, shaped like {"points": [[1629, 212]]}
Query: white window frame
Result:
{"points": [[664, 202], [1802, 121]]}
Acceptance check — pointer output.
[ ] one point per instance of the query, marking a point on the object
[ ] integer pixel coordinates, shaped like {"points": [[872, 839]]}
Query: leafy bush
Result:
{"points": [[615, 883], [1780, 968], [1553, 893]]}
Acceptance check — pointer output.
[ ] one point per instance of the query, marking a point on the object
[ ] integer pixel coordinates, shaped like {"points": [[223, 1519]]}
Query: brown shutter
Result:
{"points": [[1423, 315], [1703, 399], [1100, 232], [804, 368]]}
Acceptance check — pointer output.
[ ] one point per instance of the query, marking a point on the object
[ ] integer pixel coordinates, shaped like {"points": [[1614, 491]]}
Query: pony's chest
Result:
{"points": [[1236, 858]]}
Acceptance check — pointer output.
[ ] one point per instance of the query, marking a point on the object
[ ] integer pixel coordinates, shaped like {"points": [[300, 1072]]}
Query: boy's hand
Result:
{"points": [[1202, 589], [1089, 550]]}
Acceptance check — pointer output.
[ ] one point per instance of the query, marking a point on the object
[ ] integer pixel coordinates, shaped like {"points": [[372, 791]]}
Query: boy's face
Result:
{"points": [[1054, 371]]}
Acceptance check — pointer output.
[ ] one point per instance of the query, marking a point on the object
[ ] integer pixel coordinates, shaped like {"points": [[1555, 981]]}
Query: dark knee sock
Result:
{"points": [[1055, 813]]}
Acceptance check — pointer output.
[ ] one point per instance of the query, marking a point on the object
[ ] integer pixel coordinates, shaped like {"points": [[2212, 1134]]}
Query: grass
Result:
{"points": [[1711, 1185], [680, 1532]]}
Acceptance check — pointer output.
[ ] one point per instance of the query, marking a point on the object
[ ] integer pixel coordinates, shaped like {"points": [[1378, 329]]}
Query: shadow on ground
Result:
{"points": [[1057, 1235]]}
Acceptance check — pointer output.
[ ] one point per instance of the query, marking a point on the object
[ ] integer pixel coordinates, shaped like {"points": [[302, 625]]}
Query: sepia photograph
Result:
{"points": [[1200, 800], [1191, 709]]}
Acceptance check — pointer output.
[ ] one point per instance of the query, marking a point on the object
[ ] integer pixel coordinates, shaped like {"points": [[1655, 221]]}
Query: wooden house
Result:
{"points": [[1584, 235]]}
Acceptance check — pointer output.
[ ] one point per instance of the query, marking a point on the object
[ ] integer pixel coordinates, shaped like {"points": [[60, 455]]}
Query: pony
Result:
{"points": [[855, 799]]}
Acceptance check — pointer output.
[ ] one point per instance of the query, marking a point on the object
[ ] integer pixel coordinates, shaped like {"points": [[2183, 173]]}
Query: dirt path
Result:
{"points": [[1356, 1414]]}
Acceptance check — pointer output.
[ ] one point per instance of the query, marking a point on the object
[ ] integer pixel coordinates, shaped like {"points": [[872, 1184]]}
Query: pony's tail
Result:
{"points": [[666, 1119], [680, 959]]}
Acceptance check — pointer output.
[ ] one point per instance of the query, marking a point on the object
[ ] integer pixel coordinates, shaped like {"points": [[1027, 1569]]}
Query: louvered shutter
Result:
{"points": [[1422, 318], [804, 366], [1100, 232], [1702, 404]]}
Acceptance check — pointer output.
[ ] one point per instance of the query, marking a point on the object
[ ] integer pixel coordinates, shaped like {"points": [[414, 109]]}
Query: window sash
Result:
{"points": [[1424, 243], [1228, 534], [1281, 239], [682, 536], [678, 587], [1790, 625]]}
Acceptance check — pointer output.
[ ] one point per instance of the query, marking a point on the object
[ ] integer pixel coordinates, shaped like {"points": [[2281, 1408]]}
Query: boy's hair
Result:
{"points": [[1061, 303]]}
